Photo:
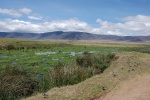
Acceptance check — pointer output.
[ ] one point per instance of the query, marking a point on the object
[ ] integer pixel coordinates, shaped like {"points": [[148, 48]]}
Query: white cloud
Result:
{"points": [[15, 12], [10, 25], [133, 25], [58, 25], [25, 10], [35, 17], [67, 25], [138, 18], [10, 12], [103, 23]]}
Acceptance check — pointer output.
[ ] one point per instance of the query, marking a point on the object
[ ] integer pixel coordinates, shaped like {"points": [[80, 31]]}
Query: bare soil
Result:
{"points": [[136, 89]]}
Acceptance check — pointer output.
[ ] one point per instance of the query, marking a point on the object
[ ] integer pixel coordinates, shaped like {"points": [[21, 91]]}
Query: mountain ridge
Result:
{"points": [[60, 35]]}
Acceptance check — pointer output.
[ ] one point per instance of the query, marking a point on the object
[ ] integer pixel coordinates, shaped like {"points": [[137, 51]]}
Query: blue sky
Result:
{"points": [[116, 17]]}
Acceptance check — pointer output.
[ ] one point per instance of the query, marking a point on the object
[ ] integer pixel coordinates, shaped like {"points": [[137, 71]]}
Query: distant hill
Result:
{"points": [[60, 35]]}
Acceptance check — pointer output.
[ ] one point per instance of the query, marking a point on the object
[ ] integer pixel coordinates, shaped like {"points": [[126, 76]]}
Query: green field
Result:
{"points": [[57, 59], [38, 56], [43, 55]]}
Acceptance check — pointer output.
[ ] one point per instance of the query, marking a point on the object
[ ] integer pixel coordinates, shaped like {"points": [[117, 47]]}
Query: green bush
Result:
{"points": [[85, 60], [1, 47], [86, 66], [69, 74], [15, 83], [99, 62], [10, 47]]}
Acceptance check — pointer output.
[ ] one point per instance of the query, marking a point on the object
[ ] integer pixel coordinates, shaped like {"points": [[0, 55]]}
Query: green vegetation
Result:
{"points": [[15, 83], [69, 74], [30, 66], [126, 68]]}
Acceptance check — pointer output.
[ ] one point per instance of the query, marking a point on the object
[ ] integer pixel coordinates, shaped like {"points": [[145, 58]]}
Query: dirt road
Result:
{"points": [[136, 89]]}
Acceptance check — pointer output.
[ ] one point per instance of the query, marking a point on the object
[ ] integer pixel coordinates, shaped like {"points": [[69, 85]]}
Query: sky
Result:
{"points": [[108, 17]]}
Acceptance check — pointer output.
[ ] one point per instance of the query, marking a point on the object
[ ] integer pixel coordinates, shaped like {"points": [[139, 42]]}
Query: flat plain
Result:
{"points": [[41, 57]]}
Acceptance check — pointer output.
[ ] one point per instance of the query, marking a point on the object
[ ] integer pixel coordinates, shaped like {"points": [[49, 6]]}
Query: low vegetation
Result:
{"points": [[126, 68], [15, 83], [69, 74], [27, 67]]}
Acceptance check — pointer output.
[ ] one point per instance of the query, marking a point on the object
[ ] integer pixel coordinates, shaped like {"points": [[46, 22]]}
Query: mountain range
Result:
{"points": [[60, 35]]}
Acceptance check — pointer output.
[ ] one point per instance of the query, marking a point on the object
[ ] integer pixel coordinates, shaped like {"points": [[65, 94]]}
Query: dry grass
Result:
{"points": [[109, 43], [5, 41], [127, 66]]}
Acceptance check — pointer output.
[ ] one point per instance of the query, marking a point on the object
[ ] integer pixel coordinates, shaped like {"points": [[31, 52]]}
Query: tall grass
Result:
{"points": [[86, 66], [19, 45], [99, 61], [16, 83], [69, 74]]}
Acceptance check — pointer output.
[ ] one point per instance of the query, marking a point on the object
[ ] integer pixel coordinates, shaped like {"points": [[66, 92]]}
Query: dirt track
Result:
{"points": [[136, 89]]}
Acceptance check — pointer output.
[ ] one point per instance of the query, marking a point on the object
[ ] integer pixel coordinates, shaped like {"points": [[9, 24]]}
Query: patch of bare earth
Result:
{"points": [[136, 89]]}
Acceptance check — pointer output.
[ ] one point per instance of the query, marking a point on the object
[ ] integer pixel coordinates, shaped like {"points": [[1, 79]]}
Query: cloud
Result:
{"points": [[138, 18], [67, 25], [15, 12], [25, 10], [103, 23], [132, 25], [10, 25], [37, 17], [10, 12]]}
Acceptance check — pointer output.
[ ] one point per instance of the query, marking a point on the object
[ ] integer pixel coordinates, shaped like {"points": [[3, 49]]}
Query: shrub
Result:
{"points": [[86, 66], [85, 60], [69, 74], [99, 62], [15, 83], [10, 47], [1, 47]]}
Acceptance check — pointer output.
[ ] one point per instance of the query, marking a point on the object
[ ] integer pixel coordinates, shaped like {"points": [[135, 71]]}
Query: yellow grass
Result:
{"points": [[109, 43], [4, 41]]}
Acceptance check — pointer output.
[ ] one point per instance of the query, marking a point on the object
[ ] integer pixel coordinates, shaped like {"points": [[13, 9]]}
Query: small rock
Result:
{"points": [[45, 95], [103, 88], [114, 74], [129, 70]]}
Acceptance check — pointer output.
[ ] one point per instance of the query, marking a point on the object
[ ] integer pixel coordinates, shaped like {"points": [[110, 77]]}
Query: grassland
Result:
{"points": [[46, 54], [37, 61], [127, 67]]}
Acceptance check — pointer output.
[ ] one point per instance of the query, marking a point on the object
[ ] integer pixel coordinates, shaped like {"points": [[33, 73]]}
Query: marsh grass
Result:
{"points": [[34, 73], [99, 61], [20, 44], [15, 83], [71, 73]]}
